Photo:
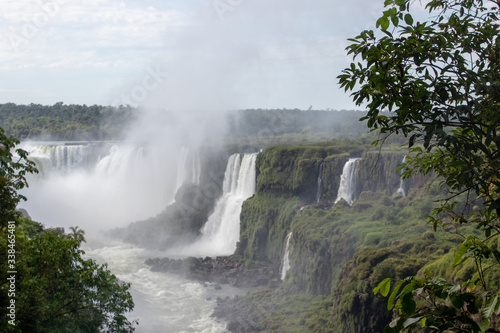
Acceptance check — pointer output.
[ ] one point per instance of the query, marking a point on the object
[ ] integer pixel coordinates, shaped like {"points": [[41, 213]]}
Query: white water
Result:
{"points": [[320, 183], [402, 187], [286, 257], [103, 185], [163, 302], [221, 232], [188, 169], [97, 187], [348, 181]]}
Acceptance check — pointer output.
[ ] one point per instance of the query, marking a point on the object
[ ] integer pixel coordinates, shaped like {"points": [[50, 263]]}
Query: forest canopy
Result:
{"points": [[65, 122]]}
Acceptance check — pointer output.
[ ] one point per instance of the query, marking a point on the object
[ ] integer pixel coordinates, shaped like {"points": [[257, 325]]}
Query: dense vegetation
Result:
{"points": [[340, 253], [81, 122], [441, 81], [275, 126], [65, 122], [46, 285]]}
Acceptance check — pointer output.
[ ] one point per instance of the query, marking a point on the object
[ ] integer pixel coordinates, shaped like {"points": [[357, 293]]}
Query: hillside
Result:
{"points": [[338, 252]]}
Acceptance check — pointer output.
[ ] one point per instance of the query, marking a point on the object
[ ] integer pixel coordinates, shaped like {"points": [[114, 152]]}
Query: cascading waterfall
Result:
{"points": [[320, 183], [100, 185], [286, 257], [221, 232], [348, 181], [188, 168], [196, 168], [402, 184], [103, 185], [62, 158], [181, 168]]}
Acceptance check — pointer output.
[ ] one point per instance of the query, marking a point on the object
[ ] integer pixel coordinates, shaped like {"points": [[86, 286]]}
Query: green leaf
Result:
{"points": [[408, 19], [460, 254], [383, 23], [392, 298], [457, 301], [408, 304], [384, 287]]}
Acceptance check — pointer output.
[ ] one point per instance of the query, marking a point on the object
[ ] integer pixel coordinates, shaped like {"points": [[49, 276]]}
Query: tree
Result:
{"points": [[13, 171], [78, 233], [50, 287], [437, 83], [60, 291]]}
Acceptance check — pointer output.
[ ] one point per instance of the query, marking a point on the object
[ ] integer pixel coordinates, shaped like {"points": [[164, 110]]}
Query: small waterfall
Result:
{"points": [[195, 168], [402, 184], [181, 168], [320, 183], [348, 181], [286, 259], [222, 229], [188, 168]]}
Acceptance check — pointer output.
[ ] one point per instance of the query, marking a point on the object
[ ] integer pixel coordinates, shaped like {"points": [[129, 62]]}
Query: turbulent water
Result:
{"points": [[402, 182], [348, 181], [222, 230], [97, 186], [286, 257], [163, 302]]}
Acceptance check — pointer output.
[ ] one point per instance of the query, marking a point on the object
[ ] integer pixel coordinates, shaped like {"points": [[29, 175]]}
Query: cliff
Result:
{"points": [[181, 221], [338, 252]]}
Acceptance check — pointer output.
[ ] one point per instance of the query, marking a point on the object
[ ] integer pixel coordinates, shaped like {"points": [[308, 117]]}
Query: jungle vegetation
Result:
{"points": [[440, 81], [46, 284]]}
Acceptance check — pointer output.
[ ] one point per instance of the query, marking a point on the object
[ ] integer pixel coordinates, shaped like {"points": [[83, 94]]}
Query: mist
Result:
{"points": [[230, 55]]}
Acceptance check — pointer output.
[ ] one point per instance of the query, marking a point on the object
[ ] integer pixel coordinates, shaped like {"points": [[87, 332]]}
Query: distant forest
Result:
{"points": [[311, 125], [65, 122], [81, 122]]}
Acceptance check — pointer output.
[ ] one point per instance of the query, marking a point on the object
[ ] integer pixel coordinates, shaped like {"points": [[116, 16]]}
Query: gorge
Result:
{"points": [[322, 218]]}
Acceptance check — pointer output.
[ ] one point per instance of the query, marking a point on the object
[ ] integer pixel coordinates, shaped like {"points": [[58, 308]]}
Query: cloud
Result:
{"points": [[68, 33], [246, 53]]}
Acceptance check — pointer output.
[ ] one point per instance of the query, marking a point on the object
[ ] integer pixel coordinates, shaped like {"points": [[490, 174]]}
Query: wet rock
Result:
{"points": [[221, 270]]}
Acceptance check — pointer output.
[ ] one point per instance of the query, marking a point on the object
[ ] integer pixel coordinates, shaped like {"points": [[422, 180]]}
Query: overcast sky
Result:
{"points": [[179, 53]]}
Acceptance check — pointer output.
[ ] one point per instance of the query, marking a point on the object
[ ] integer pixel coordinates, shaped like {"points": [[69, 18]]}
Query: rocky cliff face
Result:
{"points": [[287, 185], [181, 221], [338, 252]]}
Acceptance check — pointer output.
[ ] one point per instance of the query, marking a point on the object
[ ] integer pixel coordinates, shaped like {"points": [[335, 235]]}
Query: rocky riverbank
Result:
{"points": [[221, 270]]}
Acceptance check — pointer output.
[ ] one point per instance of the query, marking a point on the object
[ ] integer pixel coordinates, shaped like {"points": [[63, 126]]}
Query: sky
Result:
{"points": [[229, 54]]}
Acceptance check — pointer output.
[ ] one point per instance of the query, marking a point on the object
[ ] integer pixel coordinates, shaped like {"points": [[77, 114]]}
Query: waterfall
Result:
{"points": [[181, 168], [98, 184], [188, 169], [402, 184], [286, 259], [348, 181], [195, 168], [221, 232], [63, 158], [320, 183]]}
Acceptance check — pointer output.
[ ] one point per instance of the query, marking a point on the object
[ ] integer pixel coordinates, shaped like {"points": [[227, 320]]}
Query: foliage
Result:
{"points": [[13, 169], [276, 125], [54, 288], [61, 291], [65, 122], [440, 82], [58, 290], [436, 305]]}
